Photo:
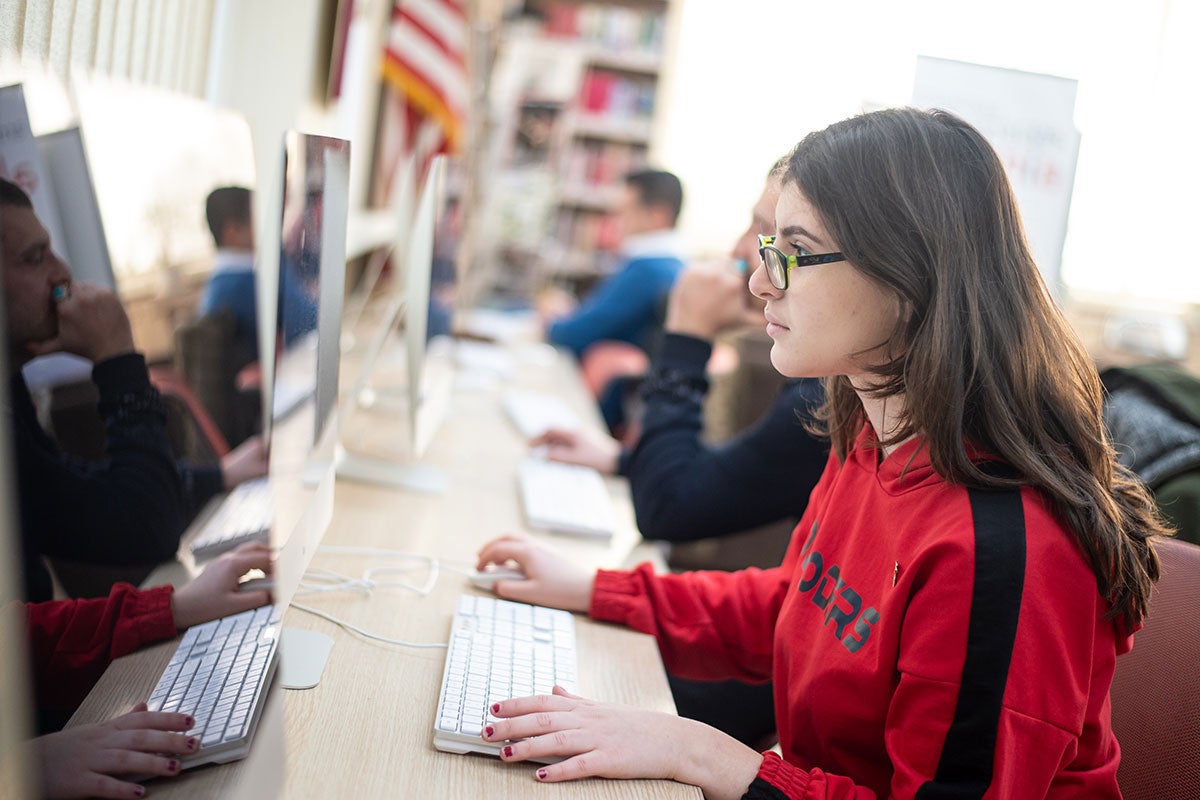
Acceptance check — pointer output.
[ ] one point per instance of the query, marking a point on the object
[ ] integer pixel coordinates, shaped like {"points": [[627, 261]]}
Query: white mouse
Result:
{"points": [[488, 577]]}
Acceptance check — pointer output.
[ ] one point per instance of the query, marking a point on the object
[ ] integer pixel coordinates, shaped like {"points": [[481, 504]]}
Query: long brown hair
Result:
{"points": [[919, 202]]}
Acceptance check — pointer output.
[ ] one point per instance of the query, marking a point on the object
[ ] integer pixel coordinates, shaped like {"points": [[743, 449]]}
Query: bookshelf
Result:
{"points": [[570, 139]]}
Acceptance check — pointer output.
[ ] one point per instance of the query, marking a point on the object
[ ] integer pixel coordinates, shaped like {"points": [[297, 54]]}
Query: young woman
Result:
{"points": [[948, 615]]}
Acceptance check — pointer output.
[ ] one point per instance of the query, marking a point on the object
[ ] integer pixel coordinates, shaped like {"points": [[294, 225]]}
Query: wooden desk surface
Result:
{"points": [[366, 730]]}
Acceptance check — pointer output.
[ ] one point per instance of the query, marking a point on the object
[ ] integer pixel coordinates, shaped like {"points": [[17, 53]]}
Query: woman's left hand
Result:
{"points": [[214, 592], [614, 741]]}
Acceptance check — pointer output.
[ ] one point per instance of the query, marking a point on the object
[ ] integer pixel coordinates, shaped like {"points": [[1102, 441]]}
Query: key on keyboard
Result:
{"points": [[565, 497], [219, 674], [499, 650], [244, 516], [535, 412]]}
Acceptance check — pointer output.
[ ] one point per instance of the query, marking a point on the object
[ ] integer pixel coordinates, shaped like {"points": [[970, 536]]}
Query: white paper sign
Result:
{"points": [[1029, 120], [21, 161]]}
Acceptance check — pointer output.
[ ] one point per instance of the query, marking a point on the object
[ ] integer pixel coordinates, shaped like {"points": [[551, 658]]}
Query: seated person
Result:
{"points": [[231, 285], [969, 490], [73, 641], [132, 507], [683, 489], [626, 306], [1153, 415]]}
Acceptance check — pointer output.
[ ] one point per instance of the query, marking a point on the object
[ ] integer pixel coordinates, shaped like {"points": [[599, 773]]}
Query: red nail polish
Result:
{"points": [[192, 743], [489, 731], [190, 722], [507, 751], [541, 773], [495, 708], [140, 791], [173, 766]]}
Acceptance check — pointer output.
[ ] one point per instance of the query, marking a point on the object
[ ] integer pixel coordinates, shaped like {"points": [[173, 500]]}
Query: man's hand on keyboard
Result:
{"points": [[214, 592], [615, 741], [81, 761], [596, 450], [246, 461], [550, 580]]}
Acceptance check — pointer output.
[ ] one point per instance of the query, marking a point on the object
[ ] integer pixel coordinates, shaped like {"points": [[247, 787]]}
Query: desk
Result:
{"points": [[367, 729]]}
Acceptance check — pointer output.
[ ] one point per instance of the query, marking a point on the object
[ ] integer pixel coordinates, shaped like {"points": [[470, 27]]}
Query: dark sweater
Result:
{"points": [[684, 490], [130, 508]]}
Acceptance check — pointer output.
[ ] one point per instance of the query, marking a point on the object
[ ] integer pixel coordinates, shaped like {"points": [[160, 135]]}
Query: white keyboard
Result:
{"points": [[566, 498], [535, 412], [220, 674], [244, 515], [499, 650]]}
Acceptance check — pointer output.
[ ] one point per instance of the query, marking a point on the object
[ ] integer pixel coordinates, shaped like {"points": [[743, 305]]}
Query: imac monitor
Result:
{"points": [[309, 279], [431, 288], [425, 300]]}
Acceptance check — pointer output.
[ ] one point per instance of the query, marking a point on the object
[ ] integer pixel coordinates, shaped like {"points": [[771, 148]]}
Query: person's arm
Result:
{"points": [[618, 309], [202, 482], [709, 625], [127, 509], [73, 641], [684, 490]]}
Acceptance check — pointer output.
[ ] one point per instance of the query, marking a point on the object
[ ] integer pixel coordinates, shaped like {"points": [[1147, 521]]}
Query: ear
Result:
{"points": [[662, 216]]}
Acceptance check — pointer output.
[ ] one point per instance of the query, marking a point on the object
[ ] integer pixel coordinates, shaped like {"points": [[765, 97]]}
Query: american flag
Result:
{"points": [[425, 62]]}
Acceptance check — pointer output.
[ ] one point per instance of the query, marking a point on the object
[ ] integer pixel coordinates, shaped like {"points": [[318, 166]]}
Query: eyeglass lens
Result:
{"points": [[776, 267]]}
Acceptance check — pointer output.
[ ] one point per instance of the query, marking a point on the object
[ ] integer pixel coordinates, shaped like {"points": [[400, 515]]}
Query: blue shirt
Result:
{"points": [[627, 306], [231, 286]]}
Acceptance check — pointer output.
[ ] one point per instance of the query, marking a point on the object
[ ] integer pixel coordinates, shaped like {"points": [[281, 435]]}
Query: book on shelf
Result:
{"points": [[613, 28], [617, 96], [599, 165]]}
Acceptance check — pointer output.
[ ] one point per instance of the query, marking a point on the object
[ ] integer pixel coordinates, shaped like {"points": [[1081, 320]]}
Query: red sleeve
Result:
{"points": [[778, 780], [709, 625], [73, 641]]}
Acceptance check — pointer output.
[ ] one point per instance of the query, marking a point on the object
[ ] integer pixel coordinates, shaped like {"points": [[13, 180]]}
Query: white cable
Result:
{"points": [[373, 551], [423, 591], [318, 580], [330, 581], [367, 634]]}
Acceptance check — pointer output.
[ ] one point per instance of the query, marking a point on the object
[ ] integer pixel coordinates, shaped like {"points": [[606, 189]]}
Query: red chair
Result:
{"points": [[1156, 689], [173, 387], [605, 361]]}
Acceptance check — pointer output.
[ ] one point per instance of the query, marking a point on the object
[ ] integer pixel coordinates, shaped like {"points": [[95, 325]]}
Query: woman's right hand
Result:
{"points": [[82, 761], [550, 579]]}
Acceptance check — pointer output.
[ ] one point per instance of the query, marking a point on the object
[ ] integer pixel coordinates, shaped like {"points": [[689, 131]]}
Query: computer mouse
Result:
{"points": [[256, 585], [487, 578]]}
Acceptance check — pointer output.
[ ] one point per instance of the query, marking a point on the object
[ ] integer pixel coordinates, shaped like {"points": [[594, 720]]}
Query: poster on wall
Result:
{"points": [[1029, 119], [21, 161]]}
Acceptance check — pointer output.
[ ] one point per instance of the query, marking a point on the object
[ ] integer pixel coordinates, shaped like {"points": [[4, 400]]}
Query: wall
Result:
{"points": [[747, 86]]}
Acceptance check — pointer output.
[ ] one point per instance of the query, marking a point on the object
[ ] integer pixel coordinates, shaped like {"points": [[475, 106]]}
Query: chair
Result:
{"points": [[175, 390], [1156, 689], [208, 359]]}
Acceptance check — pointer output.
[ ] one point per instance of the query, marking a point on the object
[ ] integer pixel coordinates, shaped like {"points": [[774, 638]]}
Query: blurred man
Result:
{"points": [[627, 307], [231, 284], [131, 507]]}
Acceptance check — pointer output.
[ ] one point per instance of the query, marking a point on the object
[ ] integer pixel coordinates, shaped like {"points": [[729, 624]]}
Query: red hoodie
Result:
{"points": [[925, 641], [73, 641]]}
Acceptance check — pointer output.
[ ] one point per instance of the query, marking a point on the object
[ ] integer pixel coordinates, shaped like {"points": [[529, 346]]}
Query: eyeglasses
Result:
{"points": [[778, 263]]}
